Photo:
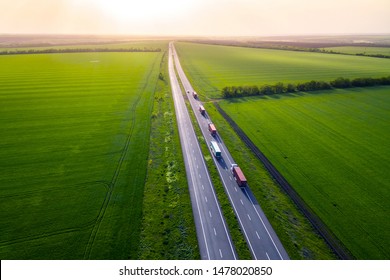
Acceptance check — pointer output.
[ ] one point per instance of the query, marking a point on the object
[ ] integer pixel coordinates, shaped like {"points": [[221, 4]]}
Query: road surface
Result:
{"points": [[262, 240], [213, 236]]}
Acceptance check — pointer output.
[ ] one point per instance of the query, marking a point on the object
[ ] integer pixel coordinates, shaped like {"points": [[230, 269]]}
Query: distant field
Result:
{"points": [[364, 50], [333, 148], [117, 45], [212, 67], [74, 145]]}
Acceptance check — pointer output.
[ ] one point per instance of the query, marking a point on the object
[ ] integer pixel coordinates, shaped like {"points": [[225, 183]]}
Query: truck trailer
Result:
{"points": [[238, 175], [212, 129], [215, 149]]}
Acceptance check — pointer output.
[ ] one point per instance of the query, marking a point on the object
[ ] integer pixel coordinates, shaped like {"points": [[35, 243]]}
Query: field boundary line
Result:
{"points": [[316, 222]]}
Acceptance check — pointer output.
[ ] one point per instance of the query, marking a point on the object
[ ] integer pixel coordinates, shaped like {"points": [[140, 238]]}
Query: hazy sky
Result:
{"points": [[195, 17]]}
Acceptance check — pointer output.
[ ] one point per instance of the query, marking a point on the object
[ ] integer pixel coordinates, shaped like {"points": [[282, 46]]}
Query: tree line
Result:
{"points": [[78, 50], [240, 91]]}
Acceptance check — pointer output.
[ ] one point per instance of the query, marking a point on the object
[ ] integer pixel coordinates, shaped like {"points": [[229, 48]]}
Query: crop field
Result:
{"points": [[333, 148], [74, 146], [365, 50], [155, 44], [210, 67]]}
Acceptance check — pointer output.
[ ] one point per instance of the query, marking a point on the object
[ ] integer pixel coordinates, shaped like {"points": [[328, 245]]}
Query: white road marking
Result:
{"points": [[220, 253], [210, 216], [236, 189], [258, 236], [267, 255], [205, 198], [200, 176], [215, 232], [230, 177], [197, 166], [241, 201], [202, 187], [249, 217]]}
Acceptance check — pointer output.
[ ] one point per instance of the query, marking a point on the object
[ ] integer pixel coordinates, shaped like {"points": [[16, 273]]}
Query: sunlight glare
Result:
{"points": [[143, 10]]}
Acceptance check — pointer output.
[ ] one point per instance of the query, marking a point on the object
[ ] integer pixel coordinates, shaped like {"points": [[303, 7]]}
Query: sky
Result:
{"points": [[195, 17]]}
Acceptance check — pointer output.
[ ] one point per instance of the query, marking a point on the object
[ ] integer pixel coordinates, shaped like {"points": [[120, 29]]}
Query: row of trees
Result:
{"points": [[239, 91], [78, 50]]}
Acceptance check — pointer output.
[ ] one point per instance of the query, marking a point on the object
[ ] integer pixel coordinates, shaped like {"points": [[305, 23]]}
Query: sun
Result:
{"points": [[141, 10]]}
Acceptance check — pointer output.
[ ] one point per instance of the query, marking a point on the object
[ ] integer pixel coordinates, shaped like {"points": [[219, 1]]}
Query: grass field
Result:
{"points": [[365, 50], [333, 147], [74, 147], [115, 45], [210, 68]]}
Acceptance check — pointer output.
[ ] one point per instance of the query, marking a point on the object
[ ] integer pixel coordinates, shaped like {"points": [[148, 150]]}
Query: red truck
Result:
{"points": [[212, 129], [202, 110], [238, 175]]}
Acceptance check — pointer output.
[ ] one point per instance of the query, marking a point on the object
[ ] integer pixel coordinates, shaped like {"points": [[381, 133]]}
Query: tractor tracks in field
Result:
{"points": [[33, 237], [114, 179], [315, 221]]}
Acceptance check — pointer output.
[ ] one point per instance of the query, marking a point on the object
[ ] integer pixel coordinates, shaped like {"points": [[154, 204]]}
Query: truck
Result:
{"points": [[202, 110], [238, 175], [215, 149], [195, 95], [212, 129]]}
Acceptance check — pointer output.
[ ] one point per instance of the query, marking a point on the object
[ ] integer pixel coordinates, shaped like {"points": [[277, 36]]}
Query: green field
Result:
{"points": [[333, 148], [210, 68], [115, 45], [74, 147], [364, 50]]}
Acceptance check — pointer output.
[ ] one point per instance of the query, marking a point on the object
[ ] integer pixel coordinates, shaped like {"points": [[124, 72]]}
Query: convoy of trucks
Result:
{"points": [[235, 169]]}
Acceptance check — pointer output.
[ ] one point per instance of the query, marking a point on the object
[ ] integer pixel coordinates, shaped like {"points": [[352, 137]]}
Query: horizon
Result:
{"points": [[195, 18]]}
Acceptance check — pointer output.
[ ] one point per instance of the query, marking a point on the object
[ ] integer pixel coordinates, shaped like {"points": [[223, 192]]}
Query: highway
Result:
{"points": [[213, 236], [262, 240]]}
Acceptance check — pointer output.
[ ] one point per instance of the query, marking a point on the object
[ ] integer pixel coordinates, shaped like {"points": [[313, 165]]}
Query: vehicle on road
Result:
{"points": [[238, 175], [215, 149], [195, 95], [212, 129], [202, 110]]}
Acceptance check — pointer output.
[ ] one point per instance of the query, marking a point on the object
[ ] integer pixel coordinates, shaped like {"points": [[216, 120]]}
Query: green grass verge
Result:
{"points": [[332, 147], [75, 139], [168, 228], [210, 68]]}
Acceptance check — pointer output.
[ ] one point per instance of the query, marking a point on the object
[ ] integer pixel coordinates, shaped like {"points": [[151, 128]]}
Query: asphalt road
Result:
{"points": [[213, 237], [262, 240]]}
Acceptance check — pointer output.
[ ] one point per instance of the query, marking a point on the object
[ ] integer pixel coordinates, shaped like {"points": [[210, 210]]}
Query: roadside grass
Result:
{"points": [[332, 147], [74, 146], [211, 68], [297, 235], [168, 228]]}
